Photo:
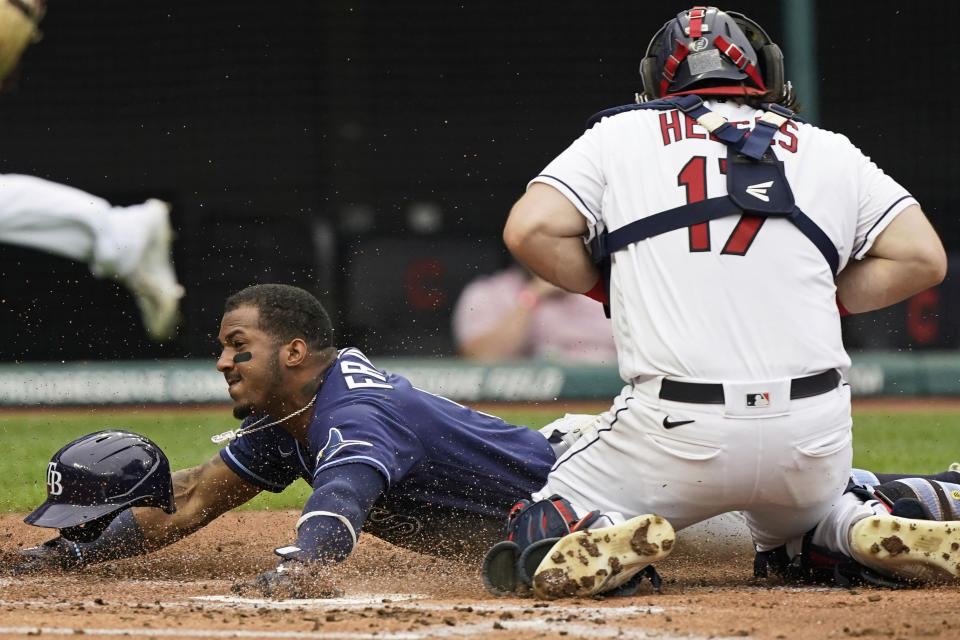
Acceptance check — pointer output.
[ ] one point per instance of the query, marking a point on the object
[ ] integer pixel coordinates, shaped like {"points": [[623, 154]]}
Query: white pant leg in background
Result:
{"points": [[786, 472], [68, 222], [833, 532]]}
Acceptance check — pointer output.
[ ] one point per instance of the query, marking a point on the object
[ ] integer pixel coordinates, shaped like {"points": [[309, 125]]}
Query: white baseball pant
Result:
{"points": [[784, 465], [68, 222]]}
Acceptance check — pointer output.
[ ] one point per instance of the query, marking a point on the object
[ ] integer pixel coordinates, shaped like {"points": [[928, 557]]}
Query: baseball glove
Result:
{"points": [[532, 530]]}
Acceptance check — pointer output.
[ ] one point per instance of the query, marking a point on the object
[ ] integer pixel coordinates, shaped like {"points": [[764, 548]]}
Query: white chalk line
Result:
{"points": [[465, 630], [598, 621], [349, 604]]}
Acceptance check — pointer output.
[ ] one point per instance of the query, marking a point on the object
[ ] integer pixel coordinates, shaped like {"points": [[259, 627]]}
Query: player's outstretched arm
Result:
{"points": [[326, 532], [906, 258], [201, 494], [545, 233]]}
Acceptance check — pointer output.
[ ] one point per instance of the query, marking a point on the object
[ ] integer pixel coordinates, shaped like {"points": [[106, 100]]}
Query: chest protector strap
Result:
{"points": [[756, 183]]}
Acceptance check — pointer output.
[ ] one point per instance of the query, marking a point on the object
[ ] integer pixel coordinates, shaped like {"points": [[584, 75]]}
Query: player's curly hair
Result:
{"points": [[287, 312]]}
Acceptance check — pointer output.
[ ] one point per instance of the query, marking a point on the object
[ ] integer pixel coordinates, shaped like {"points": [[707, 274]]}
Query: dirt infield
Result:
{"points": [[390, 593], [184, 591]]}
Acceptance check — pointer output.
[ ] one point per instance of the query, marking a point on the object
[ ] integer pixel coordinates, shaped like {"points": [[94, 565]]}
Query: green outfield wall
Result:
{"points": [[194, 382]]}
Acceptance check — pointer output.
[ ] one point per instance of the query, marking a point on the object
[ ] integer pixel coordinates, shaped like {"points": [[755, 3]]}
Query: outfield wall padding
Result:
{"points": [[194, 382]]}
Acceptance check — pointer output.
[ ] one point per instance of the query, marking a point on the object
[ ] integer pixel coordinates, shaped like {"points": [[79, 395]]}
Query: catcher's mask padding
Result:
{"points": [[91, 479], [768, 54], [771, 64]]}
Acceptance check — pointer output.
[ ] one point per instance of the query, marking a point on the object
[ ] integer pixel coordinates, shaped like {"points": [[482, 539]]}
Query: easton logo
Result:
{"points": [[759, 190], [54, 477], [758, 400]]}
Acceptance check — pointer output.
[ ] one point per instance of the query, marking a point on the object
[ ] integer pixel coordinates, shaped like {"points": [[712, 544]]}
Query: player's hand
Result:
{"points": [[56, 554], [288, 580]]}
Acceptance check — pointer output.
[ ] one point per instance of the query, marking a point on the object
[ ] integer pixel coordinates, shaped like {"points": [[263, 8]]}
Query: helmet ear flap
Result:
{"points": [[650, 77], [773, 74]]}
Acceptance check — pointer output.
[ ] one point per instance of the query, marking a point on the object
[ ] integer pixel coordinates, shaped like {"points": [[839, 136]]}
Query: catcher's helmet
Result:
{"points": [[93, 478], [18, 28], [711, 52]]}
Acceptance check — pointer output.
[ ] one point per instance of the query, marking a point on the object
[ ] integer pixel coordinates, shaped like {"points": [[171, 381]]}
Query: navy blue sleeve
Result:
{"points": [[367, 433], [268, 459], [334, 514]]}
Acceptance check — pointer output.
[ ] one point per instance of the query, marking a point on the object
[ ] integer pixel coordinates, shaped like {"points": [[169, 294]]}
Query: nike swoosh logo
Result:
{"points": [[285, 454], [669, 424]]}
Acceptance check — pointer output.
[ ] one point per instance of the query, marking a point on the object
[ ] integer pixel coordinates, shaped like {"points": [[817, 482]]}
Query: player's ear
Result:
{"points": [[294, 352]]}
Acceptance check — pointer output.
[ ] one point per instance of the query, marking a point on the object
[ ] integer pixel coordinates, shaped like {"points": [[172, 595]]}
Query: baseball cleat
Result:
{"points": [[922, 550], [153, 281], [597, 560]]}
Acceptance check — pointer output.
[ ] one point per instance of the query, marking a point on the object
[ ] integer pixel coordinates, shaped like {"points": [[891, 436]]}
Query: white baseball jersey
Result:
{"points": [[723, 301]]}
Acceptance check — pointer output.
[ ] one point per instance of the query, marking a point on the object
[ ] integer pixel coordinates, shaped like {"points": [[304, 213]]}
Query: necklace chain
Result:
{"points": [[232, 434]]}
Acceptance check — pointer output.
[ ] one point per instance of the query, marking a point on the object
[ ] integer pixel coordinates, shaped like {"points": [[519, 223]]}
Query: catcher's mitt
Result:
{"points": [[532, 530]]}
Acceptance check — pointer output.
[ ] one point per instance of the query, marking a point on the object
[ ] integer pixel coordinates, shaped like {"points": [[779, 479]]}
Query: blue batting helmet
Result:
{"points": [[93, 478]]}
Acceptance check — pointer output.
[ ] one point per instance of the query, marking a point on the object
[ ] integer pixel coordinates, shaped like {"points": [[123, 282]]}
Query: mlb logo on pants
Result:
{"points": [[758, 399]]}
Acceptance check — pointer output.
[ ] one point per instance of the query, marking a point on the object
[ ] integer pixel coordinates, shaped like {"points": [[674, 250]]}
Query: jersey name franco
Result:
{"points": [[433, 453], [641, 162]]}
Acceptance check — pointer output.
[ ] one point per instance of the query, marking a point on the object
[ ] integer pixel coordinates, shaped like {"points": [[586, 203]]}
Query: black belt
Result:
{"points": [[707, 393]]}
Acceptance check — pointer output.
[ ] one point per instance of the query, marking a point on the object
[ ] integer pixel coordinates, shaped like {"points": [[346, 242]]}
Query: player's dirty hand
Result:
{"points": [[289, 580], [55, 554]]}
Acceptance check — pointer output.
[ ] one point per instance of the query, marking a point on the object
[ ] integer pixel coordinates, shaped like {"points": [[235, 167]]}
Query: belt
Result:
{"points": [[711, 393]]}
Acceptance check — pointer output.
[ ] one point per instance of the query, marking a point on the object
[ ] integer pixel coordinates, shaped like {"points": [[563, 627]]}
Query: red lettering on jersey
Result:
{"points": [[670, 127], [693, 178], [699, 237], [688, 129], [743, 234], [790, 146]]}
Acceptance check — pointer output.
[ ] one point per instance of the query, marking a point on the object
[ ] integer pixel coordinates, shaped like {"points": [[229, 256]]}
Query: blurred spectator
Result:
{"points": [[514, 314]]}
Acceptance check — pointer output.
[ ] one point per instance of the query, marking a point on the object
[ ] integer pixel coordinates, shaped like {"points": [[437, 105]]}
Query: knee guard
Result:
{"points": [[532, 529]]}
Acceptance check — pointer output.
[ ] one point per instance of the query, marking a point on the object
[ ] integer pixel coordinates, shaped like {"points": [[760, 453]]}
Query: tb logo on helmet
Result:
{"points": [[54, 486]]}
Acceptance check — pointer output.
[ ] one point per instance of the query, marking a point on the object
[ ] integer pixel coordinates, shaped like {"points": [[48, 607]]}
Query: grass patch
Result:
{"points": [[909, 443], [904, 442]]}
